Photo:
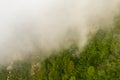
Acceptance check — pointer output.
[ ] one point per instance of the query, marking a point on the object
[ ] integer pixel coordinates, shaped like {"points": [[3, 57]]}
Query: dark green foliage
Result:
{"points": [[99, 61], [21, 71], [3, 73]]}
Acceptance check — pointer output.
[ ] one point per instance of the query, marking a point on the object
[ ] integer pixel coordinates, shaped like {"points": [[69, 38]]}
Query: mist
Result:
{"points": [[29, 25]]}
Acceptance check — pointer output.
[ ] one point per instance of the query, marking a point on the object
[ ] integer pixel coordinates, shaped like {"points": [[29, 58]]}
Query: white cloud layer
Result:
{"points": [[25, 23]]}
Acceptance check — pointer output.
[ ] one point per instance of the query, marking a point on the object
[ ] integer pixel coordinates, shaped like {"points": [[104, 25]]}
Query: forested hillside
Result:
{"points": [[100, 60]]}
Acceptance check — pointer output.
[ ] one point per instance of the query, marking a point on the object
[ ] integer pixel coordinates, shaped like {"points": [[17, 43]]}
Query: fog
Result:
{"points": [[28, 25]]}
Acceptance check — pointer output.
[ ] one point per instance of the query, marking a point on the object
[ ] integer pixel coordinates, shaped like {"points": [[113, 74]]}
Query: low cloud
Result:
{"points": [[28, 25]]}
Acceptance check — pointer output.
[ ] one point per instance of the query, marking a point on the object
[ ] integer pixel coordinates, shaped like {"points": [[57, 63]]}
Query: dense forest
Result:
{"points": [[100, 60]]}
